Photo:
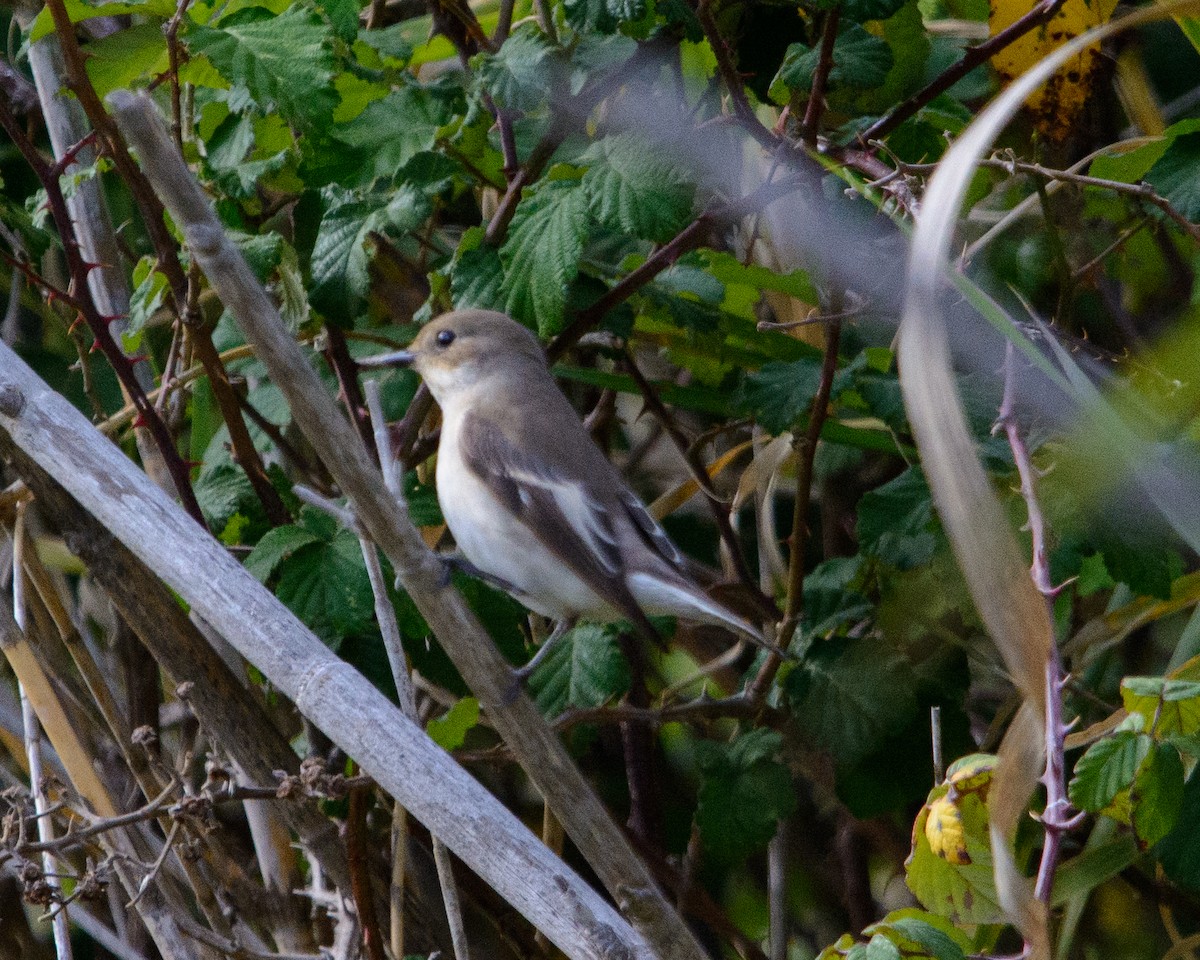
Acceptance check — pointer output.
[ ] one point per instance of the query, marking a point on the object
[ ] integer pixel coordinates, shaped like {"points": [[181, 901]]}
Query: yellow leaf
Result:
{"points": [[944, 831], [1057, 103]]}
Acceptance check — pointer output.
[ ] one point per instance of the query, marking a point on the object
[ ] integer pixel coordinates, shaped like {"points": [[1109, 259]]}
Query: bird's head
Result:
{"points": [[460, 350]]}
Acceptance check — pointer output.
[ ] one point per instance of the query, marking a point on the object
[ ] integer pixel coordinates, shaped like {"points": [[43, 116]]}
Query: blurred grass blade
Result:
{"points": [[1013, 611]]}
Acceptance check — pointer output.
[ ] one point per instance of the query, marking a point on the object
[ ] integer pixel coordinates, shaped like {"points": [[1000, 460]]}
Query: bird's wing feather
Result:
{"points": [[564, 515], [565, 450], [654, 535]]}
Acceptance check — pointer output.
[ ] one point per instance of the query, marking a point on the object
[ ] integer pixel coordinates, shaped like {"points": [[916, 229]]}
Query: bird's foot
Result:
{"points": [[521, 675], [456, 562]]}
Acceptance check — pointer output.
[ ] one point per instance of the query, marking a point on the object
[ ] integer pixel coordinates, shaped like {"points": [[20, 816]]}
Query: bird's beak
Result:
{"points": [[397, 358]]}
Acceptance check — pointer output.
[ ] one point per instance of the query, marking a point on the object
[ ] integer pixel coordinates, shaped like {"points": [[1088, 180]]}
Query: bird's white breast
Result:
{"points": [[496, 541]]}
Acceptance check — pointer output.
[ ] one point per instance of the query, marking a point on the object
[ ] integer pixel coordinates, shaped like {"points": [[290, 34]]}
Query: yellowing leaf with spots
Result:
{"points": [[944, 831], [950, 867], [1057, 103]]}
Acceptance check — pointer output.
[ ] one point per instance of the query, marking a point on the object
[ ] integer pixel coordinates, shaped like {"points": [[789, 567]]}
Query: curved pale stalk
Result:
{"points": [[1010, 606]]}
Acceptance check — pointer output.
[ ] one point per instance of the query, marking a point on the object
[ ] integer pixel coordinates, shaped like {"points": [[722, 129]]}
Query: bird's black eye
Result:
{"points": [[445, 338]]}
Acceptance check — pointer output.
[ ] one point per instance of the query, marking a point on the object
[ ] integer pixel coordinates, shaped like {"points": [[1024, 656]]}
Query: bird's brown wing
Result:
{"points": [[564, 514]]}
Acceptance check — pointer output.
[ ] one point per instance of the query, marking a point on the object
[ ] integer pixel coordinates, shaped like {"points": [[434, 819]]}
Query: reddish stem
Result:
{"points": [[80, 298], [972, 58], [811, 125], [1057, 818]]}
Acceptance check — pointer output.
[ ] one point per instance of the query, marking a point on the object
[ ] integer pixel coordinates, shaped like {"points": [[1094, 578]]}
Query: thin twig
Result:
{"points": [[731, 78], [717, 506], [503, 23], [806, 453], [74, 838], [972, 58], [357, 854], [691, 237], [777, 864], [445, 871], [935, 736], [811, 125], [337, 354], [82, 300], [32, 731], [172, 34], [1057, 818], [157, 866]]}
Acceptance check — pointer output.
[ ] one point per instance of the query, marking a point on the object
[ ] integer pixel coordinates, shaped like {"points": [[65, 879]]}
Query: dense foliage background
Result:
{"points": [[703, 209]]}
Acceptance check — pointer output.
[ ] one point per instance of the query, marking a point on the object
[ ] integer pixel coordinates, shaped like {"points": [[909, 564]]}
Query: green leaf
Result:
{"points": [[881, 948], [1168, 706], [596, 53], [930, 933], [963, 892], [1176, 175], [851, 695], [1093, 576], [585, 669], [275, 547], [541, 254], [779, 394], [524, 72], [322, 577], [476, 274], [450, 730], [127, 58], [431, 173], [343, 17], [286, 62], [905, 34], [1148, 568], [630, 188], [744, 794], [1108, 768], [860, 61], [1179, 850], [895, 521], [263, 251], [831, 601], [745, 283], [1157, 795], [478, 280], [222, 492], [1130, 166], [1101, 860], [147, 297], [423, 508], [389, 42], [226, 157], [392, 131], [602, 15], [340, 259]]}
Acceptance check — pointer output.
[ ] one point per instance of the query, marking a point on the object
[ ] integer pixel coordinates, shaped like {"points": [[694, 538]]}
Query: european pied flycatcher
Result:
{"points": [[531, 500]]}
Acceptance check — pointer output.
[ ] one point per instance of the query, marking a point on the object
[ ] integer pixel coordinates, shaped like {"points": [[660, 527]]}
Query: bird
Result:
{"points": [[532, 503]]}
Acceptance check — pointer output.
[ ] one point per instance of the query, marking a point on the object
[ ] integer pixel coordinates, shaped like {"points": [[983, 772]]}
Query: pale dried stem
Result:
{"points": [[33, 748], [543, 756]]}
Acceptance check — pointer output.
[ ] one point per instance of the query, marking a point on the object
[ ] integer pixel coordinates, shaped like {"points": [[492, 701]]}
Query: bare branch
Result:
{"points": [[312, 678]]}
